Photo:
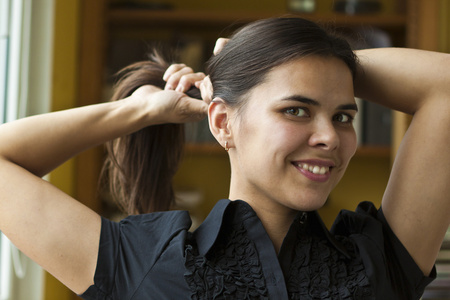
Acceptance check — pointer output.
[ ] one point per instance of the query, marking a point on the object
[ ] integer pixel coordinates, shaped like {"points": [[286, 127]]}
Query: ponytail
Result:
{"points": [[139, 167]]}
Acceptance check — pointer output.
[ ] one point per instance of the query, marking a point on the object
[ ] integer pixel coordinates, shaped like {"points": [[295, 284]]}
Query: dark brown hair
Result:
{"points": [[259, 47], [140, 167]]}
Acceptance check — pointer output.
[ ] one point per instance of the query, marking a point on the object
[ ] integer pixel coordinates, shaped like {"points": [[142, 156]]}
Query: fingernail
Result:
{"points": [[179, 89], [168, 87]]}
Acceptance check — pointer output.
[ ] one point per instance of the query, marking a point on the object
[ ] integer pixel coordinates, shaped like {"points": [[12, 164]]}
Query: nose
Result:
{"points": [[324, 135]]}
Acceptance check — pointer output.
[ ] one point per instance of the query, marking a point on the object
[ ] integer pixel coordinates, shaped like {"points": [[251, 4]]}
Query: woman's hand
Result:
{"points": [[220, 43], [181, 78], [168, 106], [179, 108]]}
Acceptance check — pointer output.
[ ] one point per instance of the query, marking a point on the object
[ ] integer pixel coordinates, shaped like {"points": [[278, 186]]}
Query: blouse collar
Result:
{"points": [[207, 233]]}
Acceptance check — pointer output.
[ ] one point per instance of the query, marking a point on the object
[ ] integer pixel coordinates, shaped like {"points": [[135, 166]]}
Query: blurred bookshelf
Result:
{"points": [[139, 17]]}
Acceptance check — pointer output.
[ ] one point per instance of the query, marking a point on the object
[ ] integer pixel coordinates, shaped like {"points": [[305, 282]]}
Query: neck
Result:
{"points": [[276, 218], [276, 222], [276, 227]]}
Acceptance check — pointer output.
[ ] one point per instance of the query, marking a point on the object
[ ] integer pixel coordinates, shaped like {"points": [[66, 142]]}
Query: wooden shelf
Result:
{"points": [[134, 17]]}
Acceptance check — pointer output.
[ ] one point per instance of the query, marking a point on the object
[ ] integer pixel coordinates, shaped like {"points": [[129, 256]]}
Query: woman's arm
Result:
{"points": [[52, 228], [416, 203]]}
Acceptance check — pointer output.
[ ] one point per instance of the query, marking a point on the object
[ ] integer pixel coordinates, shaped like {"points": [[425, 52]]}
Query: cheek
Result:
{"points": [[349, 144], [291, 136], [267, 140]]}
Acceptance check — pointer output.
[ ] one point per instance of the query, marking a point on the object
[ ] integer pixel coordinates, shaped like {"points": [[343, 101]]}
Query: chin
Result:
{"points": [[308, 205]]}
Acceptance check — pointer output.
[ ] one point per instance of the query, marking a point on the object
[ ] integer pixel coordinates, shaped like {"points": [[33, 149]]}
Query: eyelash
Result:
{"points": [[294, 111]]}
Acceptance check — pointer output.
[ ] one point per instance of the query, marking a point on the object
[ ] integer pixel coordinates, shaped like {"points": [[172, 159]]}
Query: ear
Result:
{"points": [[219, 116]]}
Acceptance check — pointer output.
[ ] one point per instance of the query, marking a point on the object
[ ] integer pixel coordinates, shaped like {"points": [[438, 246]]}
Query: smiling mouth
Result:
{"points": [[318, 170]]}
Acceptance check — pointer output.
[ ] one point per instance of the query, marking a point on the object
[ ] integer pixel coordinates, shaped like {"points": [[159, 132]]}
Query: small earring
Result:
{"points": [[226, 146]]}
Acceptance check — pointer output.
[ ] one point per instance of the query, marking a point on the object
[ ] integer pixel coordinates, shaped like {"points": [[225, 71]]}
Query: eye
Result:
{"points": [[343, 118], [297, 111]]}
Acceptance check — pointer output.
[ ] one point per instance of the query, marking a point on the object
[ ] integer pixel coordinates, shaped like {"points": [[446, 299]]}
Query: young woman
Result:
{"points": [[282, 106]]}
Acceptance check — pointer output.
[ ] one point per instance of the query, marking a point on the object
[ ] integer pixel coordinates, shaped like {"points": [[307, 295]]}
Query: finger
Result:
{"points": [[172, 69], [206, 90], [220, 43], [174, 75], [192, 110], [187, 81], [174, 79]]}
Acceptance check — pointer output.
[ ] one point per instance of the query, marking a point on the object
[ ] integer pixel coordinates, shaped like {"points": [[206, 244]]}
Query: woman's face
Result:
{"points": [[293, 139]]}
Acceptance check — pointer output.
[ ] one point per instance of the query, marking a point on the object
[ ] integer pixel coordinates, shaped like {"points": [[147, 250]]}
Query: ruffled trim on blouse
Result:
{"points": [[233, 272], [316, 269], [319, 271]]}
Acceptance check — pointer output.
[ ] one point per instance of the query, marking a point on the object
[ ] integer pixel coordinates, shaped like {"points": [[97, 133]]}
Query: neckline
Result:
{"points": [[207, 233]]}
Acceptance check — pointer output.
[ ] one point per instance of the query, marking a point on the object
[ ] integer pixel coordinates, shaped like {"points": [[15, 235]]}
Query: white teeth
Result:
{"points": [[314, 169], [322, 171]]}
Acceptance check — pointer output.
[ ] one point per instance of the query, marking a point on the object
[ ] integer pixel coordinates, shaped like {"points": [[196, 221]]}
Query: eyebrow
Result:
{"points": [[309, 101]]}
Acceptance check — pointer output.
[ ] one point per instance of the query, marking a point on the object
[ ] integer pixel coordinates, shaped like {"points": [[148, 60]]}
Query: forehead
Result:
{"points": [[325, 79]]}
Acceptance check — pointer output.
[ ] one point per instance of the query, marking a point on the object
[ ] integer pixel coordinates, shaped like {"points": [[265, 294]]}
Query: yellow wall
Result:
{"points": [[206, 173], [444, 26], [365, 180], [64, 92]]}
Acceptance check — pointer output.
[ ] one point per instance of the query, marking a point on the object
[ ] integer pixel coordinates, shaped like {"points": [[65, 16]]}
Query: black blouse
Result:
{"points": [[230, 256]]}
